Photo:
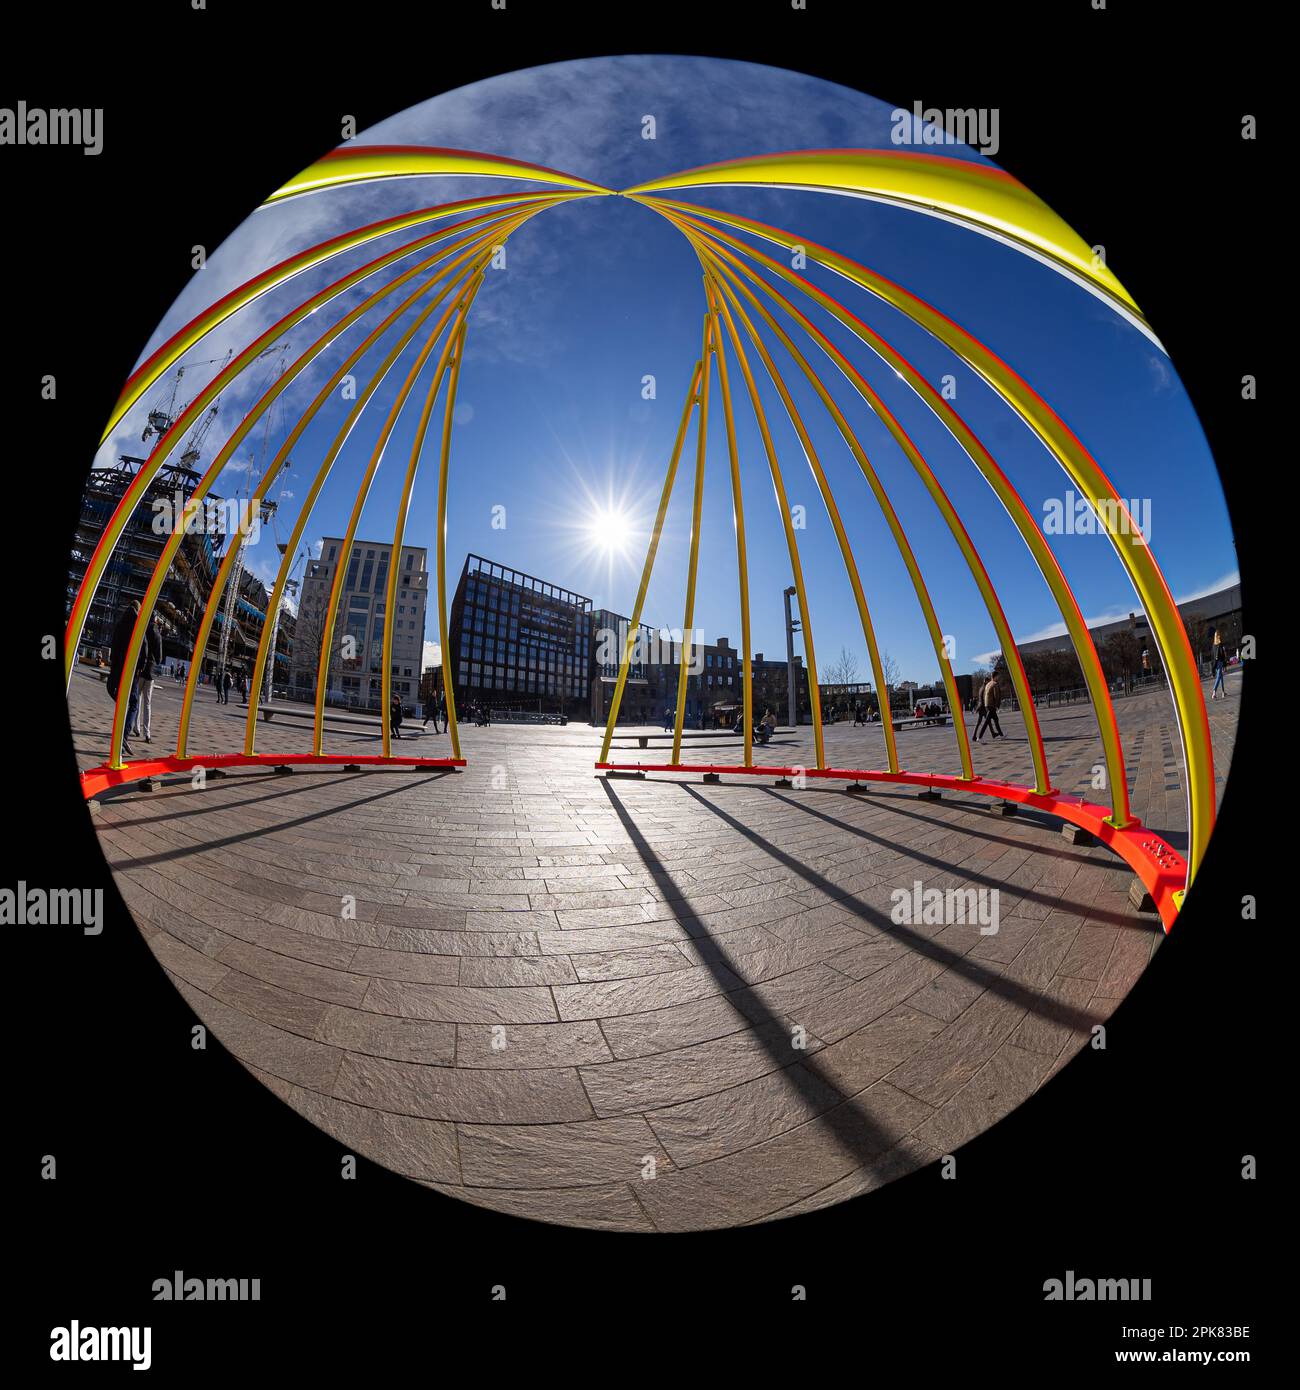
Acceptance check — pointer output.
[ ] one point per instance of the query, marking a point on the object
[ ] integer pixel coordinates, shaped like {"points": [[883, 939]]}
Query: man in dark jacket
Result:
{"points": [[117, 661], [145, 670]]}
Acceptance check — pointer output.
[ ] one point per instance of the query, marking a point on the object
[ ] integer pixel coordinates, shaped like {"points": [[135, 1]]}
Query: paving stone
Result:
{"points": [[650, 950]]}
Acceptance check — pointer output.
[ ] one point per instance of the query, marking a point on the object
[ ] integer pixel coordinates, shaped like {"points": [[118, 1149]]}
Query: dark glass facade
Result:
{"points": [[518, 642]]}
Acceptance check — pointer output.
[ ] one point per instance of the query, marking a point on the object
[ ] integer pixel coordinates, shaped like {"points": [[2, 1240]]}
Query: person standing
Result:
{"points": [[145, 672], [122, 630], [395, 716], [1219, 657]]}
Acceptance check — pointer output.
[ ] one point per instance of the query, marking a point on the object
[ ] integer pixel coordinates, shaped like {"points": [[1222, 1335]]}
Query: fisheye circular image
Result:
{"points": [[654, 643]]}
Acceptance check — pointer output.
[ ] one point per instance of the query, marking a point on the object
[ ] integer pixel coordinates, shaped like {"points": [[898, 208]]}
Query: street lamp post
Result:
{"points": [[791, 627]]}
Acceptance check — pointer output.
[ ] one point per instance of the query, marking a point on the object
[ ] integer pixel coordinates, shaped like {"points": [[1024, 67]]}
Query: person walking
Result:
{"points": [[122, 630], [145, 672], [395, 717], [990, 699], [1219, 658]]}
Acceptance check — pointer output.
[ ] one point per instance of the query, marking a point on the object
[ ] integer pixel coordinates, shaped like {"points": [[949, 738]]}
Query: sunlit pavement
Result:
{"points": [[639, 1005]]}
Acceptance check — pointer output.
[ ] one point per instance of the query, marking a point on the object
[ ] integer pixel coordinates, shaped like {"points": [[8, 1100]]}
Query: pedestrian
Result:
{"points": [[122, 630], [146, 670], [670, 717], [990, 699], [395, 717], [1219, 657]]}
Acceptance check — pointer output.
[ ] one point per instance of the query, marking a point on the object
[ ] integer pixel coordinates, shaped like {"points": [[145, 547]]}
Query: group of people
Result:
{"points": [[928, 711]]}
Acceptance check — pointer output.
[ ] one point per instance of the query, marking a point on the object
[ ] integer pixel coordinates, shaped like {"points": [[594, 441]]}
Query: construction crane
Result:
{"points": [[163, 417]]}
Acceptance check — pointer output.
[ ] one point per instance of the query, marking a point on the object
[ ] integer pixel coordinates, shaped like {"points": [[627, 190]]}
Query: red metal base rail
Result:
{"points": [[98, 779], [1160, 868]]}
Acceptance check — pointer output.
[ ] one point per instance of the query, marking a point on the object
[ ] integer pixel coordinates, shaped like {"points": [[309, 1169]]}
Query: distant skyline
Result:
{"points": [[555, 447]]}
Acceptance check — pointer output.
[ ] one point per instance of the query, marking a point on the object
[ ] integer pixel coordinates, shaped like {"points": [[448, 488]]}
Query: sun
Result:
{"points": [[610, 529]]}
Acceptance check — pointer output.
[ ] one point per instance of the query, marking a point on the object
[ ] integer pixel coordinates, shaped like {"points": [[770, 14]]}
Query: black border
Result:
{"points": [[1127, 121]]}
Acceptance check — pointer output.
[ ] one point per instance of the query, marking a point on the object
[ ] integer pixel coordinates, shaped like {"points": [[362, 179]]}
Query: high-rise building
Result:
{"points": [[356, 651], [518, 642]]}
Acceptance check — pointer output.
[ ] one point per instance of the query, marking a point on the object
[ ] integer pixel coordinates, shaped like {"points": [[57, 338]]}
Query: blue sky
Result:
{"points": [[596, 295]]}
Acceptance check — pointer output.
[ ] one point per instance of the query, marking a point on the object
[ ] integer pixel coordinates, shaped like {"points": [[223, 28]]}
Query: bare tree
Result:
{"points": [[844, 671], [891, 670]]}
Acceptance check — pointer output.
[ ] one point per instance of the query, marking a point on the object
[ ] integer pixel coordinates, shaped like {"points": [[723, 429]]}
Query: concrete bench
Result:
{"points": [[699, 736], [935, 719]]}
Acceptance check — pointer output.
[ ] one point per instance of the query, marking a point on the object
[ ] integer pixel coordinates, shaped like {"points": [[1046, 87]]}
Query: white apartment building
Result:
{"points": [[356, 670]]}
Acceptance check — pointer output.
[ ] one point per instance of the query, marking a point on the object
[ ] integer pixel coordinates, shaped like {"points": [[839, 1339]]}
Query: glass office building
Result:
{"points": [[518, 642]]}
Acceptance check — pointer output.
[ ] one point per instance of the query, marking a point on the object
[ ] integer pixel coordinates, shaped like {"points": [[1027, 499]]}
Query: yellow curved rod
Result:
{"points": [[145, 475], [814, 694], [186, 338], [331, 454], [738, 518], [162, 565], [697, 506], [1015, 665], [399, 528], [634, 623], [1026, 524], [978, 196], [458, 308], [444, 472], [353, 164], [291, 440], [904, 549], [828, 500]]}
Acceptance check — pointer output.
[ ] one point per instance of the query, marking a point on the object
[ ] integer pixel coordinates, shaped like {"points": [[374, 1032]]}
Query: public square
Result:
{"points": [[578, 999]]}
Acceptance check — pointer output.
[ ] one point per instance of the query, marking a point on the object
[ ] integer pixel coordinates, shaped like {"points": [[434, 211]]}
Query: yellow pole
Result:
{"points": [[403, 508], [444, 468], [131, 499], [814, 695], [277, 463], [738, 512], [459, 309], [1015, 665], [634, 625], [823, 486], [688, 619], [487, 239], [1079, 465]]}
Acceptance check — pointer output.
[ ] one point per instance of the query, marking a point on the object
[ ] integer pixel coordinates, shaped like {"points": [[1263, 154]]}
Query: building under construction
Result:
{"points": [[237, 629]]}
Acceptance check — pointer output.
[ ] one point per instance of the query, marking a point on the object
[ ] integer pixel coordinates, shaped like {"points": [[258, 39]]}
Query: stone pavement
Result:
{"points": [[636, 1005]]}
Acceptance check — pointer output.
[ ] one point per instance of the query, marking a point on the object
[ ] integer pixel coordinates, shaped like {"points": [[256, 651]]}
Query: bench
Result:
{"points": [[698, 736], [268, 713], [935, 719]]}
